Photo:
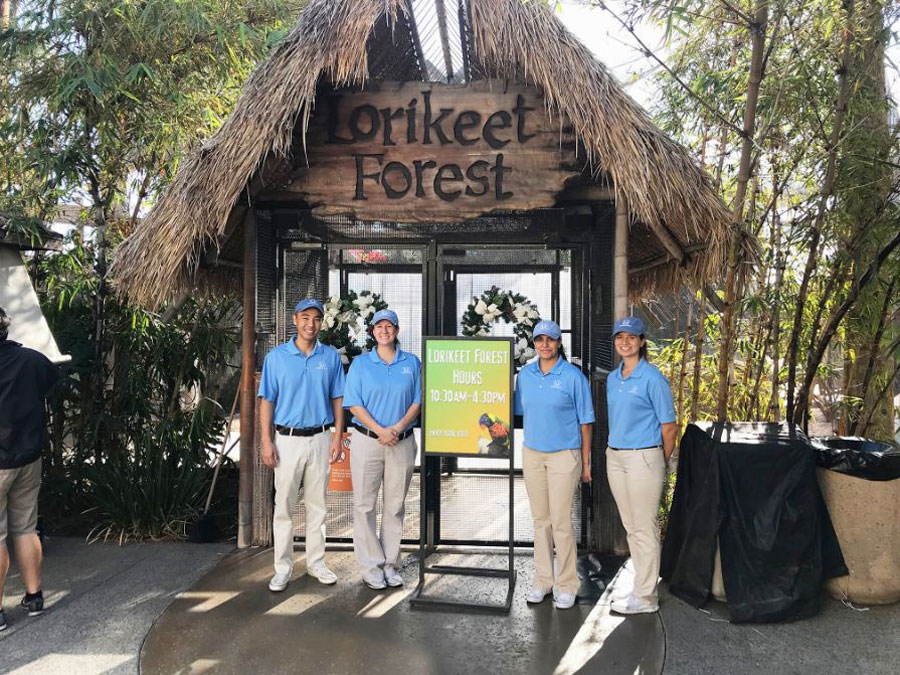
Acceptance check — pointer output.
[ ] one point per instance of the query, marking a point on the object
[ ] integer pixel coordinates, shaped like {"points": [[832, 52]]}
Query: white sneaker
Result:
{"points": [[279, 582], [619, 593], [536, 595], [375, 584], [393, 579], [564, 601], [631, 605], [323, 574]]}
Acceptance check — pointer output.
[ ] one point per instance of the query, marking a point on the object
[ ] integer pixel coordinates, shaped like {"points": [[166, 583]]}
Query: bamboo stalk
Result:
{"points": [[881, 394], [824, 196], [873, 355], [684, 357], [732, 291], [698, 356], [801, 410]]}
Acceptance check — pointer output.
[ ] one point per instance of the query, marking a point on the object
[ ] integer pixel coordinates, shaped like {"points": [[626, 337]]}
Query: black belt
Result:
{"points": [[371, 434], [307, 431], [651, 447]]}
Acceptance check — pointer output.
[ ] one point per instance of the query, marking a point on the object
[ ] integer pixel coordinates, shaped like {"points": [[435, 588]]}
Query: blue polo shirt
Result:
{"points": [[554, 406], [301, 386], [385, 390], [638, 406]]}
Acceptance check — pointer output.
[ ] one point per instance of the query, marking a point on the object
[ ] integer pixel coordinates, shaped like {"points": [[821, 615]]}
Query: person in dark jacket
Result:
{"points": [[26, 377]]}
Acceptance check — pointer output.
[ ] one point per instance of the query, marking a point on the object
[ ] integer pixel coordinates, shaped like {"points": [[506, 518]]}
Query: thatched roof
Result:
{"points": [[346, 42]]}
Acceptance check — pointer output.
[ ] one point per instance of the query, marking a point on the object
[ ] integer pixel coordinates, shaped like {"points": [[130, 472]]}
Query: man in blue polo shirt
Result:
{"points": [[301, 394]]}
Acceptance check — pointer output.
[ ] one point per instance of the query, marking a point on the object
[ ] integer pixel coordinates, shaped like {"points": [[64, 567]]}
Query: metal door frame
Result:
{"points": [[442, 268], [434, 267]]}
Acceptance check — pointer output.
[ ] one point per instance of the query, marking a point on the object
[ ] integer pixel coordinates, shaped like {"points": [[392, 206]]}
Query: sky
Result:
{"points": [[616, 48]]}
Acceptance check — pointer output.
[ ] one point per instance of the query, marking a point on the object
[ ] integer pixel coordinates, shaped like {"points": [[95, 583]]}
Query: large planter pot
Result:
{"points": [[866, 518]]}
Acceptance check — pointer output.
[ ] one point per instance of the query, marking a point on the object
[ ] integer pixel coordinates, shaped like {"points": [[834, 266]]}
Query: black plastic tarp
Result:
{"points": [[751, 488], [860, 457]]}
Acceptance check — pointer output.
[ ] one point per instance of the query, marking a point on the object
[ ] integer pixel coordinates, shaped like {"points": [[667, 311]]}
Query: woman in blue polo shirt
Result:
{"points": [[554, 398], [642, 432], [383, 393]]}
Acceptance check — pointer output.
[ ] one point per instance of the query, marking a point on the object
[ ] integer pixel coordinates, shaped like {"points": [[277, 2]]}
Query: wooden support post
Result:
{"points": [[248, 395], [607, 533], [620, 262]]}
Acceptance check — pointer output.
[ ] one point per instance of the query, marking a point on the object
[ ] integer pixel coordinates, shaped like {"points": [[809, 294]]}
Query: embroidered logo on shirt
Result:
{"points": [[321, 366], [557, 384], [406, 370], [633, 389]]}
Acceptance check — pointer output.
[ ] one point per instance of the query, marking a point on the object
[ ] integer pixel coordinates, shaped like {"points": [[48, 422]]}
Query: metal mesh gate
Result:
{"points": [[428, 273]]}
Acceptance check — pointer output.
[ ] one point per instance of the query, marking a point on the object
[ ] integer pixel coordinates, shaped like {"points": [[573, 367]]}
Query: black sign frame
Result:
{"points": [[418, 598]]}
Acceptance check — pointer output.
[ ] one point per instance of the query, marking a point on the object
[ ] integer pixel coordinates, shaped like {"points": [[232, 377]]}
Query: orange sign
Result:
{"points": [[340, 480]]}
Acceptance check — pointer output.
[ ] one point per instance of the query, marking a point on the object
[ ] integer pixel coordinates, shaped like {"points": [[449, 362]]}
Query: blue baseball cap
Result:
{"points": [[386, 315], [548, 328], [309, 303], [630, 324]]}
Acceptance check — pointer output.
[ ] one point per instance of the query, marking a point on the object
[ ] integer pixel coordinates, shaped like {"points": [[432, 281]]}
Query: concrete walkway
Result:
{"points": [[101, 600], [231, 623], [837, 641]]}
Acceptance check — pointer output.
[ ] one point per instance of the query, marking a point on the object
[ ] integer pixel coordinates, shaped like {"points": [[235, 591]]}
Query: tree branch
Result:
{"points": [[837, 315], [650, 54]]}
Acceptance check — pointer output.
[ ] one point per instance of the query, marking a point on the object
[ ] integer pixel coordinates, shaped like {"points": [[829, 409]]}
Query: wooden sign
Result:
{"points": [[418, 151]]}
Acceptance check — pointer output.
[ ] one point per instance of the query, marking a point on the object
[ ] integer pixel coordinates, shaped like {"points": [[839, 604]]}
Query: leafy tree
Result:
{"points": [[815, 322], [102, 99]]}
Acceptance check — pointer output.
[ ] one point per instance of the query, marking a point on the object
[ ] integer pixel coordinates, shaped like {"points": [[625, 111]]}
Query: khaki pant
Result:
{"points": [[636, 480], [301, 459], [371, 465], [19, 490], [551, 479]]}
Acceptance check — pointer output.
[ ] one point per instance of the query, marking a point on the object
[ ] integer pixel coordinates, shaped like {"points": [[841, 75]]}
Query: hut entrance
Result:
{"points": [[430, 275]]}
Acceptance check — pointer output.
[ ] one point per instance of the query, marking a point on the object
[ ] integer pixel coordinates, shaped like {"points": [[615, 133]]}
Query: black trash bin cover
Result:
{"points": [[859, 457], [752, 488]]}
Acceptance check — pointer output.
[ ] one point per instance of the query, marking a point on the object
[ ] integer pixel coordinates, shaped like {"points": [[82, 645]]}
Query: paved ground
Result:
{"points": [[837, 641], [101, 600], [230, 623]]}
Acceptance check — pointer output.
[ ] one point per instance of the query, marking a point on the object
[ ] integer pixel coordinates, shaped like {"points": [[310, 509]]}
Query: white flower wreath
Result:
{"points": [[346, 320], [514, 308]]}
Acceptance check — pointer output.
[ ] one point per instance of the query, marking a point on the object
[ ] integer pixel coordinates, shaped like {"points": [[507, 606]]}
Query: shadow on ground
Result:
{"points": [[100, 601], [230, 623]]}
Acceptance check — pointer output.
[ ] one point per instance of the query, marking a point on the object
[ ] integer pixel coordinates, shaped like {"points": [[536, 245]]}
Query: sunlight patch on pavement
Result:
{"points": [[83, 664], [382, 604], [202, 666], [589, 640], [211, 599], [296, 604]]}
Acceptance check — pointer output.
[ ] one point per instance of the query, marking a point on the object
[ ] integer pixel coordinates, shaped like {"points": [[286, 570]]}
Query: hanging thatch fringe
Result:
{"points": [[512, 39]]}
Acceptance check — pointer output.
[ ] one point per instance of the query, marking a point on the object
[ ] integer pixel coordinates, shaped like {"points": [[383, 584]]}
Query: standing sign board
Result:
{"points": [[468, 397], [467, 411]]}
